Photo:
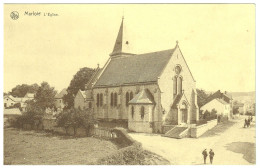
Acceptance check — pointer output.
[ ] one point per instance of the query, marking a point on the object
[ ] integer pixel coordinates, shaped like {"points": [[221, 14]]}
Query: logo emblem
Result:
{"points": [[14, 15]]}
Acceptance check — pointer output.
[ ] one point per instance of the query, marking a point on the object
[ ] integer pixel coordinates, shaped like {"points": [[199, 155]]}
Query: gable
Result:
{"points": [[132, 69]]}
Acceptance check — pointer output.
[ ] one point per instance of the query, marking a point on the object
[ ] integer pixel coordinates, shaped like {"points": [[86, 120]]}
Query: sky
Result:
{"points": [[217, 40]]}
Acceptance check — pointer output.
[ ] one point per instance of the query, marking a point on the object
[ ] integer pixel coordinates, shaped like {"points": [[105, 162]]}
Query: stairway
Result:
{"points": [[177, 132]]}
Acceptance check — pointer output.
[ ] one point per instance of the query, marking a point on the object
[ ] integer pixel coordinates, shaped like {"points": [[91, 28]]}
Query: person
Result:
{"points": [[245, 124], [211, 155], [205, 154], [251, 118], [248, 122]]}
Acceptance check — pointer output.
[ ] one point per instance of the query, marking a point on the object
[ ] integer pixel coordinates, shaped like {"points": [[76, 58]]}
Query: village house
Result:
{"points": [[148, 91], [222, 107], [221, 96], [59, 103], [10, 101]]}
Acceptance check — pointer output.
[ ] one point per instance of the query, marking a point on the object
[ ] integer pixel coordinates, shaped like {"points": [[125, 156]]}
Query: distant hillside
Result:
{"points": [[244, 97], [239, 94]]}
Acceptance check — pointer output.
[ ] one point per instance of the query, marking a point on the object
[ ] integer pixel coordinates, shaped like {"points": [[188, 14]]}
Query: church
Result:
{"points": [[152, 92]]}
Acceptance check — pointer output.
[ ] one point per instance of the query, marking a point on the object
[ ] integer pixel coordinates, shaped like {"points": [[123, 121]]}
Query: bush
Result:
{"points": [[132, 155]]}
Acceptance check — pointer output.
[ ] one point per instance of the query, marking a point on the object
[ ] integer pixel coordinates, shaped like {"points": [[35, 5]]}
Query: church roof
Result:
{"points": [[135, 69], [143, 97], [83, 93], [93, 78]]}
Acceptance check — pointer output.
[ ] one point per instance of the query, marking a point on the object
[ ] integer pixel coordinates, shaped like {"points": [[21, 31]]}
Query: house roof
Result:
{"points": [[221, 101], [134, 69], [12, 111], [61, 94], [143, 97]]}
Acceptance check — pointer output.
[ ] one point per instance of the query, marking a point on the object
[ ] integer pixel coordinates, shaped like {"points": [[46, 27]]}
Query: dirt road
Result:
{"points": [[234, 146]]}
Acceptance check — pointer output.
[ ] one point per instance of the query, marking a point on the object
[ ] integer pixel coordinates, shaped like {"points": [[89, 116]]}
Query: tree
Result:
{"points": [[45, 97], [235, 110], [76, 118], [21, 90], [78, 82], [202, 96]]}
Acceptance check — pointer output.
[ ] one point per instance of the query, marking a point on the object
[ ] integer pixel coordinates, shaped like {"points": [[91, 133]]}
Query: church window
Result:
{"points": [[115, 99], [133, 112], [126, 99], [179, 85], [90, 105], [142, 112], [178, 70], [101, 99], [112, 99], [175, 86], [98, 100]]}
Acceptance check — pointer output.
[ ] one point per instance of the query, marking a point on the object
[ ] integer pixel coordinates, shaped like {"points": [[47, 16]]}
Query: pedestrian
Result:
{"points": [[251, 118], [248, 122], [211, 155], [205, 154], [245, 124]]}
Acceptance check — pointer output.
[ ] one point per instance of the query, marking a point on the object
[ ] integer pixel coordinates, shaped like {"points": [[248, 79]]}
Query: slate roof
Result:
{"points": [[221, 101], [143, 97], [135, 68], [61, 94]]}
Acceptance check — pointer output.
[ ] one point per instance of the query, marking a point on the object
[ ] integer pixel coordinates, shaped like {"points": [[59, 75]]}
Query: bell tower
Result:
{"points": [[122, 45]]}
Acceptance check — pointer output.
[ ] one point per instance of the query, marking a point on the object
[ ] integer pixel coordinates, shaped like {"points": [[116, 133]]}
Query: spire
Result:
{"points": [[122, 45]]}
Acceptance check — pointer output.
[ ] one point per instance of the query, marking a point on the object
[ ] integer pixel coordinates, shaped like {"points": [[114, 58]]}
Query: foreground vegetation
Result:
{"points": [[32, 148]]}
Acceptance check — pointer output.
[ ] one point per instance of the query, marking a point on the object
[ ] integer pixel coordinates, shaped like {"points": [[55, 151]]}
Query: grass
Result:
{"points": [[32, 148]]}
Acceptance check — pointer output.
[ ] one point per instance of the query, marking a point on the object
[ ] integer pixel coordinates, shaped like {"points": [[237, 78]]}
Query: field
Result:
{"points": [[32, 148]]}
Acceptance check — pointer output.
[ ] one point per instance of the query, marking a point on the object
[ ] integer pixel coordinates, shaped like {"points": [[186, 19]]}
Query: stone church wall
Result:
{"points": [[166, 83]]}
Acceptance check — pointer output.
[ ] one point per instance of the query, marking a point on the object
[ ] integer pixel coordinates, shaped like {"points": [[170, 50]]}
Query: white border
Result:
{"points": [[121, 1]]}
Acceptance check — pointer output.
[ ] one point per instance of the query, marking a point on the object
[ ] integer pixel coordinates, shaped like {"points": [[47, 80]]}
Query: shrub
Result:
{"points": [[132, 155]]}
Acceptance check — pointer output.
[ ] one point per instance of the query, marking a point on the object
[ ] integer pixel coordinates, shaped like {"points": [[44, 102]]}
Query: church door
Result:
{"points": [[184, 115]]}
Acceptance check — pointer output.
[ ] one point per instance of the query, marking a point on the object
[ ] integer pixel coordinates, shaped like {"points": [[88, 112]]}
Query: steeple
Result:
{"points": [[122, 45]]}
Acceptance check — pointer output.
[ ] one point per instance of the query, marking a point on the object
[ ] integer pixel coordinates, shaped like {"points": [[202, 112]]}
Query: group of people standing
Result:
{"points": [[248, 121], [205, 155]]}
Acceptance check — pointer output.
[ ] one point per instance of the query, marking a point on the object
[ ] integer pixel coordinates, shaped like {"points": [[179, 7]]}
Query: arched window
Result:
{"points": [[112, 99], [142, 112], [126, 99], [131, 96], [98, 100], [179, 85], [101, 99], [133, 112], [175, 86], [115, 99], [90, 105]]}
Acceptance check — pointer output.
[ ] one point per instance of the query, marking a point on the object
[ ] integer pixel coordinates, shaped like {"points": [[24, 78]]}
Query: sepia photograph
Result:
{"points": [[129, 84]]}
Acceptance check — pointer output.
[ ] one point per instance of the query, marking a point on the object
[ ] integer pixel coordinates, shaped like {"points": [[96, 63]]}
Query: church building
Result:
{"points": [[152, 92]]}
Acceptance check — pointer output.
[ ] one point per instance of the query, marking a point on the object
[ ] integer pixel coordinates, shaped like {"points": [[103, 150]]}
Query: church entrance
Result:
{"points": [[184, 113]]}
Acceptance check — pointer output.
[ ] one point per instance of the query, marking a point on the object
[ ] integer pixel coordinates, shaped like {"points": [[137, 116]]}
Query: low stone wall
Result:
{"points": [[197, 131], [140, 126]]}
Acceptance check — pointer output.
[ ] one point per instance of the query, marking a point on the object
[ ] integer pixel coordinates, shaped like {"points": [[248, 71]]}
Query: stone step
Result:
{"points": [[176, 132]]}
